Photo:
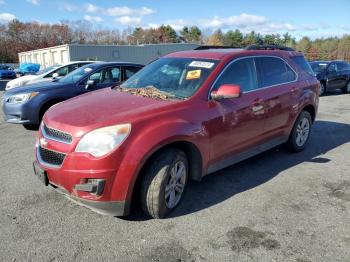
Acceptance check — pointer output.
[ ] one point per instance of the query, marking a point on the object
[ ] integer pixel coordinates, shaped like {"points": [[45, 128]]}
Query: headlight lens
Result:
{"points": [[21, 98], [102, 141]]}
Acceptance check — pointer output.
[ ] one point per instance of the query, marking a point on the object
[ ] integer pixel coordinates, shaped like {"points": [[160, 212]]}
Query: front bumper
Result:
{"points": [[112, 208], [20, 113]]}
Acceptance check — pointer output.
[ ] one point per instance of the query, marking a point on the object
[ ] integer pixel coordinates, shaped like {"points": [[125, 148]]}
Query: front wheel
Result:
{"points": [[346, 90], [300, 134], [164, 183]]}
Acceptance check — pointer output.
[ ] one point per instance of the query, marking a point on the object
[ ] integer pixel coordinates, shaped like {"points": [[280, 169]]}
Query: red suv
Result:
{"points": [[182, 117]]}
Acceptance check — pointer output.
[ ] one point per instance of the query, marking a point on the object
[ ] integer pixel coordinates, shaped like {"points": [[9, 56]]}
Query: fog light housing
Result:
{"points": [[92, 186]]}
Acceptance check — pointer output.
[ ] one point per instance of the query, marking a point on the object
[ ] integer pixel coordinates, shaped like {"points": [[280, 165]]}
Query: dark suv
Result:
{"points": [[181, 117], [332, 75]]}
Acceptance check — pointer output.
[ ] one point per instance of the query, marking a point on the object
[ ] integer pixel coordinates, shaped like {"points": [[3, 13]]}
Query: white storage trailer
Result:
{"points": [[142, 54]]}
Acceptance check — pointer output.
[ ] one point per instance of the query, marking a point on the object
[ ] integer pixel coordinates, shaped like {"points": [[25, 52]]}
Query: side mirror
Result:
{"points": [[89, 84], [55, 75], [226, 91]]}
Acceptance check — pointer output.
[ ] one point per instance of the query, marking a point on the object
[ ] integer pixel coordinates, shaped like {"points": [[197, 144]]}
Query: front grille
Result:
{"points": [[50, 157], [57, 135]]}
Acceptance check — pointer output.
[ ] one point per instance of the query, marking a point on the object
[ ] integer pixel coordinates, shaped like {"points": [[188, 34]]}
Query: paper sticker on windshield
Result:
{"points": [[194, 74], [88, 69], [201, 64]]}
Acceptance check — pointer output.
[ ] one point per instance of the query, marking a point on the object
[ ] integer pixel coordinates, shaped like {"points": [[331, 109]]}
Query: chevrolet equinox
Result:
{"points": [[181, 117]]}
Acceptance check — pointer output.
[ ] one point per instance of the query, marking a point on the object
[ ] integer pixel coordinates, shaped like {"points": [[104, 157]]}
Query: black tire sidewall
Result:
{"points": [[163, 209], [155, 180], [292, 139]]}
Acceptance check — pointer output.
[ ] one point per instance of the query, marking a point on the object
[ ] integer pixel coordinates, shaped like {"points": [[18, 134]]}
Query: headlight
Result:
{"points": [[102, 141], [21, 98]]}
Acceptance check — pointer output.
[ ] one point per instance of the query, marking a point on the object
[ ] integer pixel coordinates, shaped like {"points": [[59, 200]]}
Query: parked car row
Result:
{"points": [[143, 134]]}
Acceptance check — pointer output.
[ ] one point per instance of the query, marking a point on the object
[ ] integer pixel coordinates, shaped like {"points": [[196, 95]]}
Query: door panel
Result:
{"points": [[280, 94], [236, 124]]}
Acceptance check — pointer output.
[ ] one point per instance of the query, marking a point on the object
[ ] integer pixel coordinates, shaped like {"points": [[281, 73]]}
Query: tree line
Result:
{"points": [[17, 36]]}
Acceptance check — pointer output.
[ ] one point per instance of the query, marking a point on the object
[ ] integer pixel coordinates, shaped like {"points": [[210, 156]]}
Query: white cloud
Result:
{"points": [[90, 8], [96, 19], [6, 17], [34, 2], [177, 24], [119, 10], [244, 22], [68, 7], [128, 20]]}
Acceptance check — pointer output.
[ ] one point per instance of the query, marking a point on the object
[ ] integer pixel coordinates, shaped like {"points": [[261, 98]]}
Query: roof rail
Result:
{"points": [[269, 47], [206, 47]]}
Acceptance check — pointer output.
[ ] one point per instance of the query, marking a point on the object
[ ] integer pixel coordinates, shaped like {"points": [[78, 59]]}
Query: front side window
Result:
{"points": [[177, 77], [273, 71], [241, 72], [108, 75]]}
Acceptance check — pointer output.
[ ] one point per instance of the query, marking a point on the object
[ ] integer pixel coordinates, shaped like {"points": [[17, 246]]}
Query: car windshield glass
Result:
{"points": [[76, 75], [47, 69], [318, 67], [170, 78]]}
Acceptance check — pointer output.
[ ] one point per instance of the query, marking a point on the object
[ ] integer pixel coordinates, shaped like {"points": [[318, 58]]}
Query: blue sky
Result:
{"points": [[308, 17]]}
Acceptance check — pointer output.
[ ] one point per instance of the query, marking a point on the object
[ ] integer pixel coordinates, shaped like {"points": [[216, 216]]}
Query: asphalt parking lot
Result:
{"points": [[274, 207]]}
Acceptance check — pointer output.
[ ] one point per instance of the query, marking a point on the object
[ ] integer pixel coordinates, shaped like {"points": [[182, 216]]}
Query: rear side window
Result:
{"points": [[242, 73], [301, 62], [273, 71]]}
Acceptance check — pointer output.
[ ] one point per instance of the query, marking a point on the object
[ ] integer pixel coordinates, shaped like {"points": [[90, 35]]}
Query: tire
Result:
{"points": [[300, 134], [31, 127], [346, 89], [323, 89], [154, 201]]}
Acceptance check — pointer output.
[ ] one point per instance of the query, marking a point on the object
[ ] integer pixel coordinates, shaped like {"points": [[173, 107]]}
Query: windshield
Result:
{"points": [[76, 75], [47, 69], [318, 67], [176, 77]]}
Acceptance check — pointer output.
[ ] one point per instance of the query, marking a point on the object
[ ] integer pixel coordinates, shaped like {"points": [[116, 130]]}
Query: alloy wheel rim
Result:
{"points": [[302, 132], [176, 184]]}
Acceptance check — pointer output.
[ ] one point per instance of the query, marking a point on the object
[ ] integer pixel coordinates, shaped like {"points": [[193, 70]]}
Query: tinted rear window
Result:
{"points": [[301, 62], [273, 71]]}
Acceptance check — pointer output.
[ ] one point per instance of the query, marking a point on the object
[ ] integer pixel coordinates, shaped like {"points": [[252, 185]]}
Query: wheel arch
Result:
{"points": [[311, 110]]}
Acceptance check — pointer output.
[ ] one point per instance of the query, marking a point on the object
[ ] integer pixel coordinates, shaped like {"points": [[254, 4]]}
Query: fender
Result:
{"points": [[146, 143]]}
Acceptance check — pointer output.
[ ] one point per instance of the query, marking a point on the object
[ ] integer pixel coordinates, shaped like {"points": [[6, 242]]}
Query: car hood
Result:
{"points": [[38, 87], [21, 79], [102, 108]]}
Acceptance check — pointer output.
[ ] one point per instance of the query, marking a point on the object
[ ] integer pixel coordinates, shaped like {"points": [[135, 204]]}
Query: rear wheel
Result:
{"points": [[346, 90], [300, 133], [164, 183]]}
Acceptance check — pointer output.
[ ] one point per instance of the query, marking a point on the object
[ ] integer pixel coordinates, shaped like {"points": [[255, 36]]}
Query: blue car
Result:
{"points": [[27, 105], [7, 72]]}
